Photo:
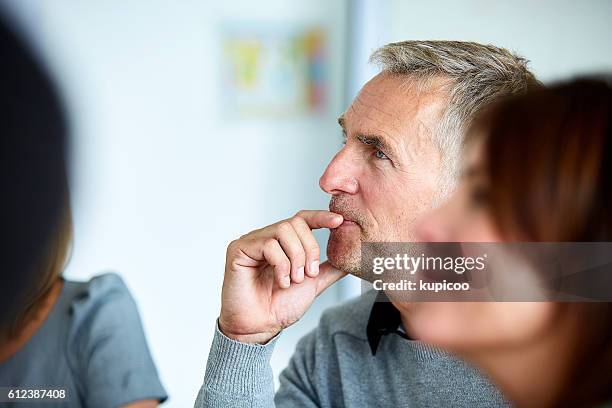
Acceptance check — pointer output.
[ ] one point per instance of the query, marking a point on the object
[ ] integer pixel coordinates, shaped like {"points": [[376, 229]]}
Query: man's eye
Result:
{"points": [[380, 155]]}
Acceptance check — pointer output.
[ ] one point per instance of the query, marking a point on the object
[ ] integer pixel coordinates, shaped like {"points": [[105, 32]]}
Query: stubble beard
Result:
{"points": [[344, 251]]}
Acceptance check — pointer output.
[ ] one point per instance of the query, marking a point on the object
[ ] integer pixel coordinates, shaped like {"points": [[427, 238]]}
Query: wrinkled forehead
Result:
{"points": [[394, 103]]}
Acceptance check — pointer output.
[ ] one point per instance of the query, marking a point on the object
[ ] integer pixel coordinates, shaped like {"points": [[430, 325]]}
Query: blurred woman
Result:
{"points": [[538, 168], [83, 339]]}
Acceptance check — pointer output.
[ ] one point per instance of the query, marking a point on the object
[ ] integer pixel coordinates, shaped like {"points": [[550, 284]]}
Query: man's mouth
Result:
{"points": [[348, 220], [340, 206], [348, 223]]}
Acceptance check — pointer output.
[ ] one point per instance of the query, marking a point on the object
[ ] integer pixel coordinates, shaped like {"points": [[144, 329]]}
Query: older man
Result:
{"points": [[403, 136]]}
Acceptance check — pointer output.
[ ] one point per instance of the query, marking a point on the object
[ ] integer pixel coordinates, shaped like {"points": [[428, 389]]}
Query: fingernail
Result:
{"points": [[314, 268], [300, 272], [285, 281]]}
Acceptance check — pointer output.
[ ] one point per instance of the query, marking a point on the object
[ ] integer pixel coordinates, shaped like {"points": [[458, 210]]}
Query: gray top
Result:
{"points": [[333, 366], [92, 344]]}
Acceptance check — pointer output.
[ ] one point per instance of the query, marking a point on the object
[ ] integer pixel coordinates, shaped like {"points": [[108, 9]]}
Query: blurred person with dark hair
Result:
{"points": [[85, 338], [32, 169], [538, 168]]}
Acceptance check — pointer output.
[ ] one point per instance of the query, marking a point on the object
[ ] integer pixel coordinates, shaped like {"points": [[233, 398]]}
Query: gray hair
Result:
{"points": [[478, 75]]}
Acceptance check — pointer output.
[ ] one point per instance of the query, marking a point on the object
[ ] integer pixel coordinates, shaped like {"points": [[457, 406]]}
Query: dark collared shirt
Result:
{"points": [[384, 319]]}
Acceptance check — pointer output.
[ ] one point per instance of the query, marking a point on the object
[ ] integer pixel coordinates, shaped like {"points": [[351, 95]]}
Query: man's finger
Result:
{"points": [[320, 218], [292, 245], [310, 245], [276, 257], [270, 251]]}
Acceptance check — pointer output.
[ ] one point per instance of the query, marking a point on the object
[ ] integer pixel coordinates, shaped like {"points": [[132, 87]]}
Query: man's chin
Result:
{"points": [[345, 254]]}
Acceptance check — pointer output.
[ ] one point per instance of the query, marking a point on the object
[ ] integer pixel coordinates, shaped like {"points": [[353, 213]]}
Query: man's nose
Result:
{"points": [[340, 176]]}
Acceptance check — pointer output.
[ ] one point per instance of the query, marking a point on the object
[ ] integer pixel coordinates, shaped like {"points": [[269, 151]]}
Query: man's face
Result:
{"points": [[386, 174]]}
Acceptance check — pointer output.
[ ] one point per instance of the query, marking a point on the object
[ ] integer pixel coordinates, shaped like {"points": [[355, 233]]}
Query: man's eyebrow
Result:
{"points": [[377, 142]]}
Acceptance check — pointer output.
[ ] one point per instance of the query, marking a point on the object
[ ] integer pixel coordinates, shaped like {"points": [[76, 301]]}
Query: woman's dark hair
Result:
{"points": [[547, 156], [32, 171], [552, 149]]}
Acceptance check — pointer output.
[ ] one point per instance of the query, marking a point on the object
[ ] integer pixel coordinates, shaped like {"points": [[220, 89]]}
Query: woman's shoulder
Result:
{"points": [[88, 296], [98, 304], [104, 324], [107, 347], [99, 286]]}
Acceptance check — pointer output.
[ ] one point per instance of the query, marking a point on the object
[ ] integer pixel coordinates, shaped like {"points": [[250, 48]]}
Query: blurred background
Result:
{"points": [[194, 122]]}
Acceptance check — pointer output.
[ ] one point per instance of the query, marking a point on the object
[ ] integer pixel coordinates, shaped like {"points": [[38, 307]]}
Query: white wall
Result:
{"points": [[161, 183], [561, 38]]}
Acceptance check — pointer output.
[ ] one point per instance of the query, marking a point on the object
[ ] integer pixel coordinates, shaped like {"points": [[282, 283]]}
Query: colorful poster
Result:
{"points": [[274, 71]]}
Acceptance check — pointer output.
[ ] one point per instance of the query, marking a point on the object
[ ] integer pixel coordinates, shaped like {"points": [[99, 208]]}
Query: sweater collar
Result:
{"points": [[384, 319]]}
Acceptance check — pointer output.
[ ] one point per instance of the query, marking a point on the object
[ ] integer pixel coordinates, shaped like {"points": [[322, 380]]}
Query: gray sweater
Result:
{"points": [[333, 366]]}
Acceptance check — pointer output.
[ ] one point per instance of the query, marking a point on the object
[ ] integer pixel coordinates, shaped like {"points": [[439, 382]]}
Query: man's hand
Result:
{"points": [[272, 276]]}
